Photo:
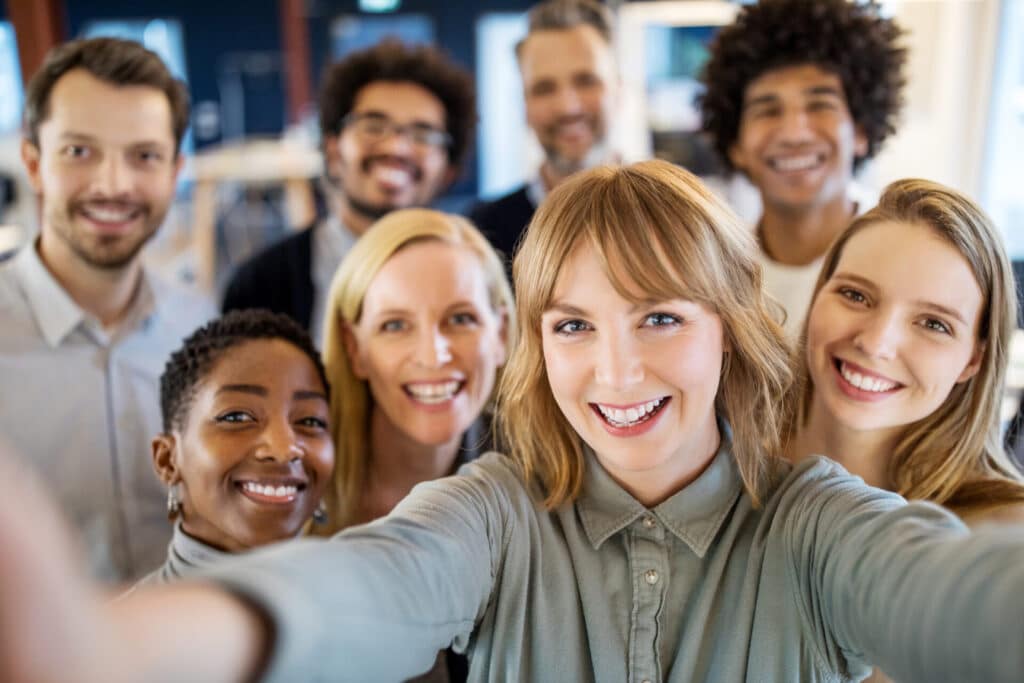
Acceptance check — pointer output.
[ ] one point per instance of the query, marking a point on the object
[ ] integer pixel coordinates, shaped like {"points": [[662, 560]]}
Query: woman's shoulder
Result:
{"points": [[1006, 513], [817, 486], [492, 480]]}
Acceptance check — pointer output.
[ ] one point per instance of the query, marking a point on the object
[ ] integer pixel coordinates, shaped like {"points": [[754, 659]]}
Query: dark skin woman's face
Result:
{"points": [[254, 452]]}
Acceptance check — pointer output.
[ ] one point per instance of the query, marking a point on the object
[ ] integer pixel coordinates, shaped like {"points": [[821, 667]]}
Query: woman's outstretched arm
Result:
{"points": [[55, 626], [376, 603], [906, 587]]}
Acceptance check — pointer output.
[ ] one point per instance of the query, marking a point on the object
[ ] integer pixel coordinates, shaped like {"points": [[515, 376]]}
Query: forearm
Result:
{"points": [[185, 632], [927, 608]]}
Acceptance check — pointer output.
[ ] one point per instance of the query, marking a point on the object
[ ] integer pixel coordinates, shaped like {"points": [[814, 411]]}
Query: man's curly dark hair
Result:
{"points": [[188, 366], [848, 39], [393, 60]]}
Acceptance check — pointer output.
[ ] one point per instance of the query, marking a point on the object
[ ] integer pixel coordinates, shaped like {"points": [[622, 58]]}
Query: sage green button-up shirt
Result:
{"points": [[827, 577]]}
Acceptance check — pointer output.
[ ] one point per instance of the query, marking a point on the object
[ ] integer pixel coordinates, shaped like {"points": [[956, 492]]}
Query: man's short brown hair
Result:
{"points": [[116, 61]]}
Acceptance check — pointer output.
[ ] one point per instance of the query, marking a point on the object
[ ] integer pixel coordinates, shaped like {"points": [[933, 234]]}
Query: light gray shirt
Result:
{"points": [[828, 576], [186, 556], [331, 241], [82, 404]]}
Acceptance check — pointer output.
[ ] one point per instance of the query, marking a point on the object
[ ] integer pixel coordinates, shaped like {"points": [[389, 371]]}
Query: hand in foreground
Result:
{"points": [[51, 623], [55, 626]]}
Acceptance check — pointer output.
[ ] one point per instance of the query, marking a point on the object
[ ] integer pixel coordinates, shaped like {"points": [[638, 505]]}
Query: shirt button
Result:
{"points": [[649, 522], [651, 576]]}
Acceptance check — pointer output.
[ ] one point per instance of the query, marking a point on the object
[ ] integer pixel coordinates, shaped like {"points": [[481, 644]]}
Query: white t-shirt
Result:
{"points": [[792, 286]]}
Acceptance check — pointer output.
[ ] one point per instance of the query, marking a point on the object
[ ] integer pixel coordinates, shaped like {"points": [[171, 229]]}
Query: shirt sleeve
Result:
{"points": [[904, 587], [377, 602]]}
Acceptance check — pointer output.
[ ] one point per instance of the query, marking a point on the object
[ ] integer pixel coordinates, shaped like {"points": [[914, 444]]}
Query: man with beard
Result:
{"points": [[85, 327], [395, 122], [799, 96], [570, 83]]}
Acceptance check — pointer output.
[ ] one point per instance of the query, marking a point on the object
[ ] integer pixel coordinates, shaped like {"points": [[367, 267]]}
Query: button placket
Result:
{"points": [[649, 562]]}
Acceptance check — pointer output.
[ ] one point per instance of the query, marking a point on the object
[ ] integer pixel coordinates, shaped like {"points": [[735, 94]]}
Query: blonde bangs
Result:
{"points": [[660, 235]]}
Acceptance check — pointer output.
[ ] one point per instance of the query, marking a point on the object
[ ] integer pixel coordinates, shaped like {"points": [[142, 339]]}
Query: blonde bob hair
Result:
{"points": [[954, 456], [350, 396], [656, 229]]}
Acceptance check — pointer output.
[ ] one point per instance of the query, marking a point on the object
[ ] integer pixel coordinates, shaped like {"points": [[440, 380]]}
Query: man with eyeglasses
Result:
{"points": [[570, 84], [396, 121]]}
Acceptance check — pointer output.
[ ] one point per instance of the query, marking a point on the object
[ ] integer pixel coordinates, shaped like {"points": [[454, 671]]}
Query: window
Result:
{"points": [[351, 33], [10, 80], [1003, 168], [507, 150]]}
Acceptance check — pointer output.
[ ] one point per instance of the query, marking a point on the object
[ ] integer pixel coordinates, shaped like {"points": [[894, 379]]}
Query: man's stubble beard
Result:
{"points": [[598, 154], [98, 252]]}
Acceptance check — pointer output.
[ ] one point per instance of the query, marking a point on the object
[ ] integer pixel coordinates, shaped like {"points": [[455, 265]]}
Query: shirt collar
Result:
{"points": [[335, 238], [189, 554], [56, 312], [694, 514], [536, 191]]}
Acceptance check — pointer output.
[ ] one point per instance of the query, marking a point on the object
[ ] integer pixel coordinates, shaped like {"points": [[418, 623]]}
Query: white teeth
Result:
{"points": [[863, 383], [393, 175], [286, 491], [109, 215], [436, 392], [630, 416], [800, 163]]}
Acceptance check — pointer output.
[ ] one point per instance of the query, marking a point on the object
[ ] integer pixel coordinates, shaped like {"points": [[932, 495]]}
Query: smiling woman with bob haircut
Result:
{"points": [[647, 227], [917, 296], [421, 297], [644, 526]]}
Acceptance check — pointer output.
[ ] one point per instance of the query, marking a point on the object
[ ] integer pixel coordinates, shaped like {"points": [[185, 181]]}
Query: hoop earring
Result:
{"points": [[320, 514], [173, 504]]}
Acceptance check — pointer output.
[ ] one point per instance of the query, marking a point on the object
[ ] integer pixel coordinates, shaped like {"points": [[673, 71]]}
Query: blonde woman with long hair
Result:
{"points": [[419, 313], [644, 526], [902, 362]]}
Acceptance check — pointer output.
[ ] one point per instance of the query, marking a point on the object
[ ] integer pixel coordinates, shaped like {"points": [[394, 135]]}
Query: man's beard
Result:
{"points": [[566, 166], [103, 252], [368, 210]]}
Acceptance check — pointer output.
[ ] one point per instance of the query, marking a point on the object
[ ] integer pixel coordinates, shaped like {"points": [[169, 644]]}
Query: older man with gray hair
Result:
{"points": [[570, 83]]}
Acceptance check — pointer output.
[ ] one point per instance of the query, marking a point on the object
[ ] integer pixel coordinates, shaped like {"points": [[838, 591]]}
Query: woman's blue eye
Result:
{"points": [[570, 327], [463, 319], [661, 320], [392, 326]]}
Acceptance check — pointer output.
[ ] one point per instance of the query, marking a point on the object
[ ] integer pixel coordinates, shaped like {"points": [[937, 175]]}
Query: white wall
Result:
{"points": [[941, 136]]}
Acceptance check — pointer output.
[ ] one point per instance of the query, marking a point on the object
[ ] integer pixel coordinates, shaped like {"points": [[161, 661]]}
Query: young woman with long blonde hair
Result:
{"points": [[903, 358]]}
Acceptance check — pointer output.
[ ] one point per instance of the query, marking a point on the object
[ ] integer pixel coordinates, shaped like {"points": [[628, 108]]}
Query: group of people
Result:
{"points": [[614, 472]]}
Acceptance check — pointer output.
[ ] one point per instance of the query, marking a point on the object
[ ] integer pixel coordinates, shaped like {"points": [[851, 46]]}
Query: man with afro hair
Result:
{"points": [[396, 122], [798, 96]]}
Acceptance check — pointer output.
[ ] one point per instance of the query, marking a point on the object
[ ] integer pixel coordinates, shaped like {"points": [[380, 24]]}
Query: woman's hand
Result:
{"points": [[55, 626], [52, 625]]}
